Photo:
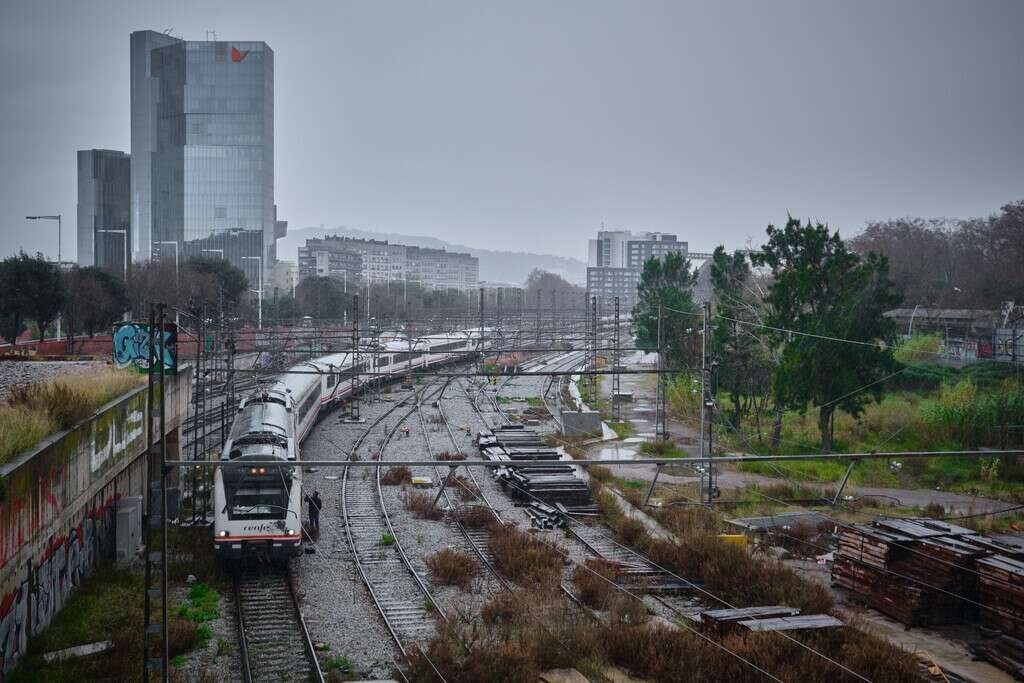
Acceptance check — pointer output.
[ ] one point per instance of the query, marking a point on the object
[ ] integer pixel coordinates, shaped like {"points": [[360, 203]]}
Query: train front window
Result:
{"points": [[258, 502]]}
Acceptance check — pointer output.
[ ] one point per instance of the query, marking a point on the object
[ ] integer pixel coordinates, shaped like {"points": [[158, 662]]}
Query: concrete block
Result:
{"points": [[577, 423]]}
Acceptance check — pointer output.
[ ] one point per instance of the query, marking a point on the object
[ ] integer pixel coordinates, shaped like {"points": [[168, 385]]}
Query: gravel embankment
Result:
{"points": [[14, 372], [336, 604]]}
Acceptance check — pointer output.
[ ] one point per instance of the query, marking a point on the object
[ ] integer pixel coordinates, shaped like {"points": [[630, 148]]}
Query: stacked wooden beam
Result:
{"points": [[1001, 592], [908, 569], [923, 571], [1004, 651], [764, 618]]}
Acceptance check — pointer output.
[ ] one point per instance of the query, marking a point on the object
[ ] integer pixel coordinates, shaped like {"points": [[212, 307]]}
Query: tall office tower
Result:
{"points": [[616, 259], [104, 210], [145, 91], [204, 111]]}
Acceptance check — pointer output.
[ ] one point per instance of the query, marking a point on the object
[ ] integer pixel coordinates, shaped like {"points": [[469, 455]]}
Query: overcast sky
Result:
{"points": [[525, 125]]}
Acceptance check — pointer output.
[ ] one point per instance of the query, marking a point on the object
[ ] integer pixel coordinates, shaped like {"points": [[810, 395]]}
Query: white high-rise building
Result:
{"points": [[616, 258]]}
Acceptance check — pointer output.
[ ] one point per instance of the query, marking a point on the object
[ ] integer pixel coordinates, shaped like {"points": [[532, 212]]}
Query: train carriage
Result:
{"points": [[258, 507]]}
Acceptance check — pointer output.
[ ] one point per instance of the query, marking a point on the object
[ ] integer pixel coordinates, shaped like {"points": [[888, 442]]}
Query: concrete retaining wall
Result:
{"points": [[57, 508]]}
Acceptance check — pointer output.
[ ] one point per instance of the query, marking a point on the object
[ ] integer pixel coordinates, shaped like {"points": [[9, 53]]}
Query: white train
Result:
{"points": [[258, 508]]}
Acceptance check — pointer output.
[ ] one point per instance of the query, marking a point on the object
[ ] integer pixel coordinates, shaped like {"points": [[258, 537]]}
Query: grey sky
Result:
{"points": [[525, 125]]}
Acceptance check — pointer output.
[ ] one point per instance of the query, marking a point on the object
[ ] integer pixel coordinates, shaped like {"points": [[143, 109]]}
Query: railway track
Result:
{"points": [[274, 641], [476, 539], [401, 597]]}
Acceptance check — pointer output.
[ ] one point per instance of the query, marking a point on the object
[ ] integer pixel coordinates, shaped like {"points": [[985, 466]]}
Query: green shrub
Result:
{"points": [[922, 347], [203, 604]]}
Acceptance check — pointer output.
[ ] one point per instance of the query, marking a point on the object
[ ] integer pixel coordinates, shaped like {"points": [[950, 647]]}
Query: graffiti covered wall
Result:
{"points": [[57, 510]]}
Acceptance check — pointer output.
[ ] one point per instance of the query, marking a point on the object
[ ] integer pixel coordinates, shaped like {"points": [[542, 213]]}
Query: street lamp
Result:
{"points": [[52, 218], [124, 240], [259, 292]]}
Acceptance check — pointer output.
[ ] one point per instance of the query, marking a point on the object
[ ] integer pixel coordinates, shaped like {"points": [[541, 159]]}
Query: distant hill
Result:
{"points": [[495, 266]]}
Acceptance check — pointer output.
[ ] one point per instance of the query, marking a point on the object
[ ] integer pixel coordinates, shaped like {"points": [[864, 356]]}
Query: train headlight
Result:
{"points": [[292, 532], [222, 534]]}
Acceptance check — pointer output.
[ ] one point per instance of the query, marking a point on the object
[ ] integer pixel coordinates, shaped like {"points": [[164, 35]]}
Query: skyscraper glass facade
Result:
{"points": [[212, 169], [145, 92], [104, 204]]}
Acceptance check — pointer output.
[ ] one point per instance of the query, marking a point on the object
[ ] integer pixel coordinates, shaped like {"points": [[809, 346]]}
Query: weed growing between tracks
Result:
{"points": [[731, 573], [472, 516], [396, 476], [524, 559], [452, 567], [422, 506], [521, 634]]}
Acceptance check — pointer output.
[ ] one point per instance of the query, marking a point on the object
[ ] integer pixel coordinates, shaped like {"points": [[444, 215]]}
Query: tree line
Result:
{"points": [[806, 330], [943, 263], [90, 300]]}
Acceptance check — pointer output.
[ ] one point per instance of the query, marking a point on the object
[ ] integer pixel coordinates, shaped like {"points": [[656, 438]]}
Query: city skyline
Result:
{"points": [[540, 139]]}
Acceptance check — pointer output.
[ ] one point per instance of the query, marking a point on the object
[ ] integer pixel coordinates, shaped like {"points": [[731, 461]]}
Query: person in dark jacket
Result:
{"points": [[315, 503]]}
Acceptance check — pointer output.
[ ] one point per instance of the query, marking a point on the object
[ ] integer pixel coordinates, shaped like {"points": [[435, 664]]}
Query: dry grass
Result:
{"points": [[682, 519], [525, 559], [472, 516], [21, 428], [592, 583], [422, 506], [452, 567], [734, 575], [35, 410], [396, 476], [448, 455], [516, 637], [520, 634], [600, 473], [467, 489], [632, 532]]}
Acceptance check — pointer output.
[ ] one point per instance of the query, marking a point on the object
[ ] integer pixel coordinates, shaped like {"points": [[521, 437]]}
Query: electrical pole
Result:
{"points": [[353, 406], [706, 403], [593, 349], [616, 362], [163, 488], [660, 429], [538, 316]]}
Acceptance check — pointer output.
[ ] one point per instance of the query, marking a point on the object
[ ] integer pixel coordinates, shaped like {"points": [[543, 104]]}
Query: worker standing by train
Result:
{"points": [[315, 503]]}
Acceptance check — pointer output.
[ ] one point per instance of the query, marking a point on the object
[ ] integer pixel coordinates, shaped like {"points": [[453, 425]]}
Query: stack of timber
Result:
{"points": [[764, 618], [554, 484], [926, 571], [1004, 651], [1001, 593]]}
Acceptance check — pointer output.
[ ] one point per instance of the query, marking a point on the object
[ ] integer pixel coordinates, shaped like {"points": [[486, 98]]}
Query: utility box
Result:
{"points": [[155, 506], [128, 525]]}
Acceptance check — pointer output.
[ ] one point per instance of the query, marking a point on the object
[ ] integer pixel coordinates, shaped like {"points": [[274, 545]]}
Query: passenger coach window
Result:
{"points": [[308, 404]]}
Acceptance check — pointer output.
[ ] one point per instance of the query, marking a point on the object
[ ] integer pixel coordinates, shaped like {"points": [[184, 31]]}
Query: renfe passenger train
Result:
{"points": [[258, 508]]}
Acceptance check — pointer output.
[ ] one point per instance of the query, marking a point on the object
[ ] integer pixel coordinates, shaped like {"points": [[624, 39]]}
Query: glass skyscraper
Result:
{"points": [[104, 205], [204, 112]]}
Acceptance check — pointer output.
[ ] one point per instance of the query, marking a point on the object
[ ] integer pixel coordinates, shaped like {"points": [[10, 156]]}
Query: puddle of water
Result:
{"points": [[614, 452], [634, 439]]}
